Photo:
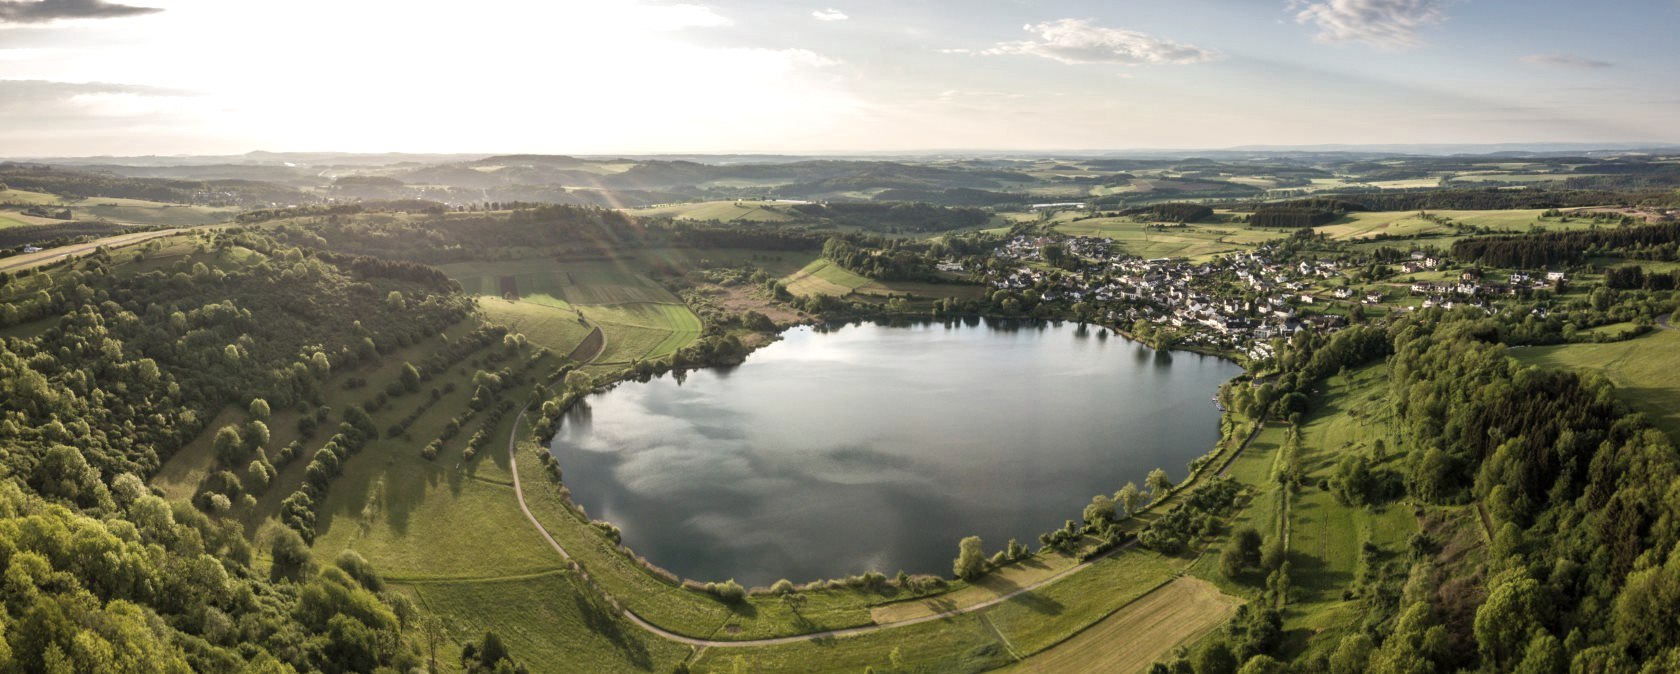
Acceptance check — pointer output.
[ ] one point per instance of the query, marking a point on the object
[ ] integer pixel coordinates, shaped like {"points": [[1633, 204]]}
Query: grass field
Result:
{"points": [[988, 587], [182, 473], [1190, 241], [643, 331], [1645, 370], [960, 645], [28, 197], [1264, 510], [1325, 537], [560, 331], [1044, 617], [640, 319], [1407, 223], [138, 212], [722, 211], [1141, 633], [437, 519], [776, 263], [545, 624], [18, 219], [822, 277], [123, 211], [995, 636]]}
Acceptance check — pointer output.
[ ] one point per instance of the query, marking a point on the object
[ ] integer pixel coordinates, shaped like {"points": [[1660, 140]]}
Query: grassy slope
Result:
{"points": [[723, 211], [1325, 536], [640, 318], [138, 212], [1191, 241], [1407, 223], [545, 624], [1142, 633], [822, 277], [1263, 511], [1645, 370], [27, 197], [559, 330]]}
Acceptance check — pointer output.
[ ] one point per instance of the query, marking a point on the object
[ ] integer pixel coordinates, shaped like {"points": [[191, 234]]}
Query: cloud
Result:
{"points": [[38, 91], [783, 60], [830, 14], [42, 11], [1077, 41], [1387, 24], [1565, 61]]}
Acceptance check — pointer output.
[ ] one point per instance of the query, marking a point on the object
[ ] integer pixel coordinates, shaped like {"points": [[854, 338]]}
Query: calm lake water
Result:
{"points": [[866, 447]]}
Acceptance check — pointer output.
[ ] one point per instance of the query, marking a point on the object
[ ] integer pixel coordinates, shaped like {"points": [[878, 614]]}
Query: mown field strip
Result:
{"points": [[1140, 633]]}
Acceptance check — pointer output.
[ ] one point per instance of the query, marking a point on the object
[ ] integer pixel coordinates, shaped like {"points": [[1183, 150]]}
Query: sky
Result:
{"points": [[98, 77]]}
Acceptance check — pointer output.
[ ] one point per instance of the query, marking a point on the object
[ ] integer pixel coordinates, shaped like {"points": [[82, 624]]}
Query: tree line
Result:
{"points": [[1553, 249]]}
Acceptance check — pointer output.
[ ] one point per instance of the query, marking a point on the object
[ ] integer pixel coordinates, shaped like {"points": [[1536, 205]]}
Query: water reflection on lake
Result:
{"points": [[833, 452]]}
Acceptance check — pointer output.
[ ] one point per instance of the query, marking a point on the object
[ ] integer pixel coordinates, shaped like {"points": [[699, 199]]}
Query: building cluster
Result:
{"points": [[1474, 288], [1239, 301]]}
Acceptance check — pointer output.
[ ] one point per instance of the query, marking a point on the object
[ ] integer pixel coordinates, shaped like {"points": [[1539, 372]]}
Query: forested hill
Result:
{"points": [[83, 184], [114, 365], [1576, 495]]}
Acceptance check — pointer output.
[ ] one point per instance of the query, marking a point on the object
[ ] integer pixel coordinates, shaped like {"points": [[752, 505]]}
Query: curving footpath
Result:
{"points": [[519, 492]]}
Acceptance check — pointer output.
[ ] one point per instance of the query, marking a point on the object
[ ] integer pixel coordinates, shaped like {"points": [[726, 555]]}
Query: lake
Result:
{"points": [[839, 450]]}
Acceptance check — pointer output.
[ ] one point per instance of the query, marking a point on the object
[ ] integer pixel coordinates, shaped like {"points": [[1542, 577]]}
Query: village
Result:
{"points": [[1238, 302]]}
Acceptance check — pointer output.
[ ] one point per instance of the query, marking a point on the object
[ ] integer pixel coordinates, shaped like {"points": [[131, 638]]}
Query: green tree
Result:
{"points": [[410, 377], [289, 554], [256, 435], [229, 446], [1215, 658], [1352, 655], [1506, 622], [971, 559], [1241, 553], [1544, 655], [1101, 509], [64, 474], [1159, 485], [1129, 498], [1263, 664], [259, 409]]}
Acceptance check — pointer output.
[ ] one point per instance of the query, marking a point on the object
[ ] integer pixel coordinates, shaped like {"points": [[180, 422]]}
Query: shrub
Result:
{"points": [[729, 591]]}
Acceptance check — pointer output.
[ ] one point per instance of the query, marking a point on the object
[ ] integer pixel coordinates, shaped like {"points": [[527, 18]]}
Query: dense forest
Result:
{"points": [[1549, 249], [451, 237], [84, 184], [1270, 216], [1583, 566], [1172, 212], [1496, 199], [103, 574]]}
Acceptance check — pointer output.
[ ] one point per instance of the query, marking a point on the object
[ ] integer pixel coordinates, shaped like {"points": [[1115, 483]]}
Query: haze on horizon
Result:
{"points": [[95, 77]]}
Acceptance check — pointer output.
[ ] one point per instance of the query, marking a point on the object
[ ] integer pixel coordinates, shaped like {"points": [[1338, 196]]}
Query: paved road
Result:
{"points": [[51, 255], [519, 492]]}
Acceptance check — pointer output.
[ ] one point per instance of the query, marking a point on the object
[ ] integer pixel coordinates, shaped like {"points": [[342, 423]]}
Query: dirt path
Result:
{"points": [[1487, 522], [519, 493], [593, 345]]}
